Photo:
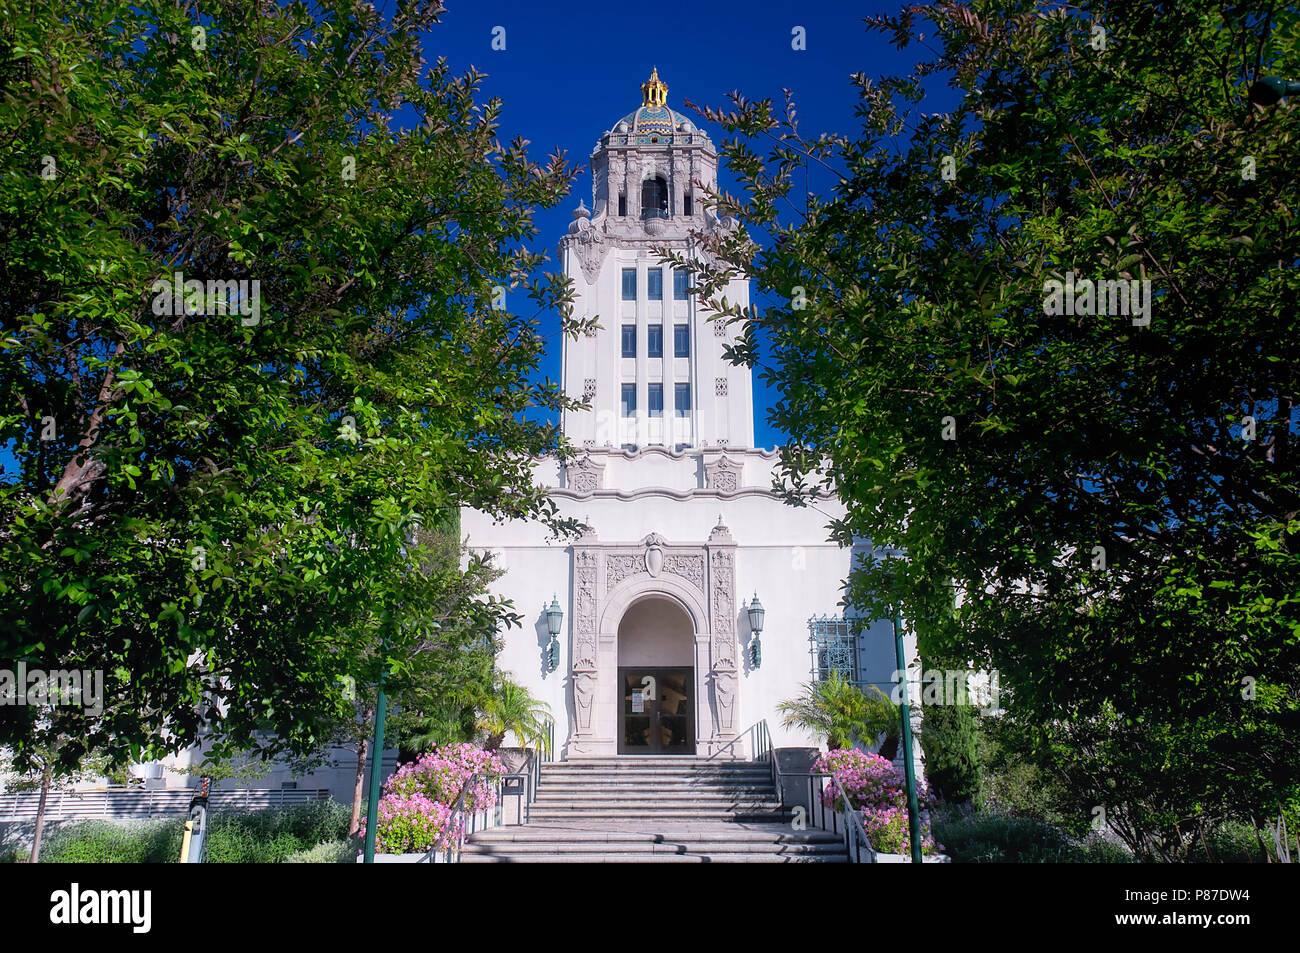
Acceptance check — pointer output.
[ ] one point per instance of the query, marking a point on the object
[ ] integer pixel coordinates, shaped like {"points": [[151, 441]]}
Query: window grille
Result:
{"points": [[834, 647]]}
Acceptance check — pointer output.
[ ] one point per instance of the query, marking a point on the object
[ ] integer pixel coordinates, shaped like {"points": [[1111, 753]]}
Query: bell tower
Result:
{"points": [[654, 374]]}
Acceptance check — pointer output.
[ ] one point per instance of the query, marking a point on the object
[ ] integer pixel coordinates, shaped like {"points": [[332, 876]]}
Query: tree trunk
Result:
{"points": [[889, 747], [1268, 858], [355, 826], [40, 817]]}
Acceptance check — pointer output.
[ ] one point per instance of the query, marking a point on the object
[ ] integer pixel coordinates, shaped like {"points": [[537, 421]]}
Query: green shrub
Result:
{"points": [[234, 837], [330, 852], [976, 837], [1230, 843], [99, 842], [1009, 783]]}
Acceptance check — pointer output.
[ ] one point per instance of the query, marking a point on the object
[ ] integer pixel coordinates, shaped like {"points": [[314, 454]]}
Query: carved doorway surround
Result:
{"points": [[608, 577]]}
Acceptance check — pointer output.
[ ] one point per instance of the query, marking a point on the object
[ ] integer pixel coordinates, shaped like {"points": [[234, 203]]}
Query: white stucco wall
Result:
{"points": [[782, 554]]}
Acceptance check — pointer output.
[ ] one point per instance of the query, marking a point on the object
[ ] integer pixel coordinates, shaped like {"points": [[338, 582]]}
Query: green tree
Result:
{"points": [[46, 772], [1110, 492], [212, 501], [950, 739], [512, 709], [450, 666], [843, 714]]}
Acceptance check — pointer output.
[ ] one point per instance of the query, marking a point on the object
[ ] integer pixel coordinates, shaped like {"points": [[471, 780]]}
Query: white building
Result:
{"points": [[656, 654]]}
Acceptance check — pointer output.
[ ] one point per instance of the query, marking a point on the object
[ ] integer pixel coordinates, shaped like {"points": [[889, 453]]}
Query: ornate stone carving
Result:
{"points": [[588, 243], [584, 696], [724, 691], [724, 612], [586, 475], [584, 610], [654, 559], [620, 567], [690, 568], [723, 475]]}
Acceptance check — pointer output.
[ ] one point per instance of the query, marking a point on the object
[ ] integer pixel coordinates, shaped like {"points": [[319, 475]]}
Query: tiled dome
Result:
{"points": [[654, 121]]}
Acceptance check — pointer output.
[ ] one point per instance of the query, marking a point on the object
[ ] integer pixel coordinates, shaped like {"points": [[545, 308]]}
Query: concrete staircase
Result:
{"points": [[655, 810]]}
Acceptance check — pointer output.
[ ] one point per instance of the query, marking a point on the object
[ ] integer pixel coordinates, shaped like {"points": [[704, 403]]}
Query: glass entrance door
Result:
{"points": [[656, 714]]}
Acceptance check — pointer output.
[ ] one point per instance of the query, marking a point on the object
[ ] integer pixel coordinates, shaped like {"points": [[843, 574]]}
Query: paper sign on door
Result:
{"points": [[638, 702]]}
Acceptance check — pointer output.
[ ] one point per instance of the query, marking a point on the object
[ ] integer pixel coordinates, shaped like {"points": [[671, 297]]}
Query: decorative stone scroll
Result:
{"points": [[655, 557]]}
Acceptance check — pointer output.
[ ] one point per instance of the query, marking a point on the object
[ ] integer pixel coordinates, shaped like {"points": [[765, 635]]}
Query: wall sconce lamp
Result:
{"points": [[756, 616], [554, 616]]}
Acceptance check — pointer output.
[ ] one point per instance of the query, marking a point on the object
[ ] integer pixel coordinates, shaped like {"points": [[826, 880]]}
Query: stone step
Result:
{"points": [[663, 770], [657, 788], [602, 795], [647, 776], [629, 840], [640, 858], [655, 809], [656, 794], [654, 778], [615, 815], [682, 766], [667, 847], [663, 758]]}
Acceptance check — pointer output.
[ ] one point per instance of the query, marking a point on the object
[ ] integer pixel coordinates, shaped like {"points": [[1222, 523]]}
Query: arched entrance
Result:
{"points": [[656, 678]]}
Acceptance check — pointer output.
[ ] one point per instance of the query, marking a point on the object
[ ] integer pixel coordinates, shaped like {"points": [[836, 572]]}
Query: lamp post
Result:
{"points": [[909, 769], [377, 754], [554, 616], [756, 616]]}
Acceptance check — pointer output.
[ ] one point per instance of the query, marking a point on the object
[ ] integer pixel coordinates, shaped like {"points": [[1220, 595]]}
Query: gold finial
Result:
{"points": [[654, 91]]}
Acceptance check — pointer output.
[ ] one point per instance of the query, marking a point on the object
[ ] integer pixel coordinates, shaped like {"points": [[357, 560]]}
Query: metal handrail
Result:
{"points": [[546, 753], [526, 794], [855, 836], [847, 819], [529, 780], [133, 802], [763, 751]]}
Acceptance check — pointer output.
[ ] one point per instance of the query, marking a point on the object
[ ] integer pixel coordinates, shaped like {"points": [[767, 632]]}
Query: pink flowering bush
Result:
{"points": [[416, 809], [440, 775], [413, 824], [876, 788]]}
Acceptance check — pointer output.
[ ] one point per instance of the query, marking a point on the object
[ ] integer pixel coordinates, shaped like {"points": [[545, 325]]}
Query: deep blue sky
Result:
{"points": [[570, 71]]}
